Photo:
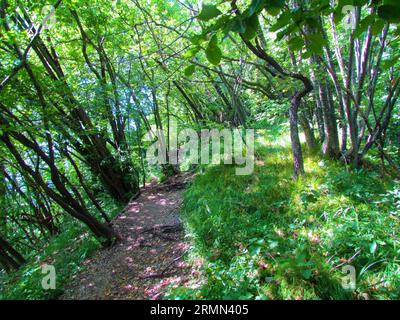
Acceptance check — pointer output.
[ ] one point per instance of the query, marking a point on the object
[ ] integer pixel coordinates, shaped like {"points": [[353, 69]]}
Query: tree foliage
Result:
{"points": [[82, 84]]}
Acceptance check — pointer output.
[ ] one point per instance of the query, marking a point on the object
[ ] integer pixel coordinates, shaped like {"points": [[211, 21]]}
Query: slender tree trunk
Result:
{"points": [[331, 144], [298, 164], [308, 131], [63, 197], [7, 262], [9, 254]]}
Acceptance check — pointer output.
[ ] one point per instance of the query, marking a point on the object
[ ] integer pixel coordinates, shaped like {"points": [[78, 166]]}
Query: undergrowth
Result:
{"points": [[267, 236], [66, 252]]}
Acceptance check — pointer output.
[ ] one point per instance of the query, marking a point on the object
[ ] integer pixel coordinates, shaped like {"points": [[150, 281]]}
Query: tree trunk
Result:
{"points": [[330, 146], [9, 256], [62, 197], [298, 164], [308, 131]]}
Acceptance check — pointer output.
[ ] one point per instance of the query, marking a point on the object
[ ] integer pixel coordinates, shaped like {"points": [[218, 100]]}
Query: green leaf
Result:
{"points": [[316, 43], [274, 11], [389, 12], [378, 27], [312, 22], [296, 43], [191, 52], [197, 39], [256, 6], [363, 25], [285, 32], [238, 25], [343, 3], [282, 21], [337, 17], [274, 6], [255, 250], [251, 27], [273, 244], [189, 70], [213, 52], [301, 256], [208, 12], [246, 296], [387, 64]]}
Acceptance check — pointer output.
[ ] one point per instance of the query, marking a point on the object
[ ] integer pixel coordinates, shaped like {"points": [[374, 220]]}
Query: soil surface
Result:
{"points": [[151, 254]]}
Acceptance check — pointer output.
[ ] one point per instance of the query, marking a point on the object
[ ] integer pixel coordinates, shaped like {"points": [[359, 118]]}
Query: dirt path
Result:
{"points": [[150, 255]]}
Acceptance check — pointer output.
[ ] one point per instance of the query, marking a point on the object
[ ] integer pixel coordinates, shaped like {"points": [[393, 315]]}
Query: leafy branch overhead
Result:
{"points": [[288, 22]]}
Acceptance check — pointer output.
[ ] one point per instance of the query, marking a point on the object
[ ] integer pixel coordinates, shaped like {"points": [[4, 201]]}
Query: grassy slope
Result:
{"points": [[66, 252], [265, 236]]}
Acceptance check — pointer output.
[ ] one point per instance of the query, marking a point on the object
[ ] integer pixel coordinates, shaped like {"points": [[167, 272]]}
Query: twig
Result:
{"points": [[375, 284], [173, 261], [156, 275], [167, 228], [349, 260], [165, 237], [330, 259]]}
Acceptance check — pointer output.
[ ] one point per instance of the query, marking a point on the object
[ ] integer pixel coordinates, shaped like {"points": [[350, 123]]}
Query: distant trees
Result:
{"points": [[344, 98], [349, 78]]}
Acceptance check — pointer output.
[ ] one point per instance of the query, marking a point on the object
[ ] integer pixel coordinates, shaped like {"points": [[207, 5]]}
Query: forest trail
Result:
{"points": [[150, 255]]}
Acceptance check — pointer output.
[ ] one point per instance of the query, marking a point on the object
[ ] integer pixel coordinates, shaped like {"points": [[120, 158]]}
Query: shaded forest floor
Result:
{"points": [[150, 255]]}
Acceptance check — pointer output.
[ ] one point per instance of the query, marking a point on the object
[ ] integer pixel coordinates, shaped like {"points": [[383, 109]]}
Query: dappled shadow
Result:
{"points": [[268, 230], [150, 255]]}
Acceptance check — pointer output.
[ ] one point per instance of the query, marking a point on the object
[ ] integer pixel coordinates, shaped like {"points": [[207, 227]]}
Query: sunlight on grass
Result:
{"points": [[266, 236]]}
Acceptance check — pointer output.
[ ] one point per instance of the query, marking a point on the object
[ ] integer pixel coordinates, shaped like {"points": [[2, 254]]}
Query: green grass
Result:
{"points": [[66, 252], [266, 236]]}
